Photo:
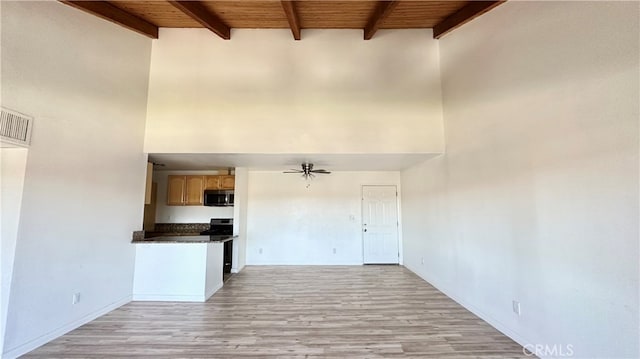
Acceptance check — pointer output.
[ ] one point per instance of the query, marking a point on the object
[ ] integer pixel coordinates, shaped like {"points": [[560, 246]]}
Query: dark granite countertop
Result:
{"points": [[152, 234], [186, 239]]}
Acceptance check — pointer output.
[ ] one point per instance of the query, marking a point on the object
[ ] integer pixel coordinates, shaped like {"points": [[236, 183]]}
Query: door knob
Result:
{"points": [[365, 229]]}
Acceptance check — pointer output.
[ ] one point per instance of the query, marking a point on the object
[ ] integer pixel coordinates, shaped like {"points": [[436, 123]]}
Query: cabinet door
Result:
{"points": [[149, 218], [212, 182], [176, 190], [227, 182], [148, 189], [195, 191]]}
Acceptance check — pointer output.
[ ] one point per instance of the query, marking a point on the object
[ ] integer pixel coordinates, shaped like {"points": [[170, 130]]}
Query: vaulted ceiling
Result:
{"points": [[145, 17]]}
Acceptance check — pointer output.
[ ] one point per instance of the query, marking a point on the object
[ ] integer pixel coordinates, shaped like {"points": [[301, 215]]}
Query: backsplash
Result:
{"points": [[181, 227]]}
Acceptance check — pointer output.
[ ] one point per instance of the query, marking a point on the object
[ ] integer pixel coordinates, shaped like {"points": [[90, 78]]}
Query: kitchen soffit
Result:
{"points": [[278, 162]]}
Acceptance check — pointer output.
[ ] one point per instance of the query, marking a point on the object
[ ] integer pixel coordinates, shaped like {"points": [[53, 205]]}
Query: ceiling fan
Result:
{"points": [[307, 170]]}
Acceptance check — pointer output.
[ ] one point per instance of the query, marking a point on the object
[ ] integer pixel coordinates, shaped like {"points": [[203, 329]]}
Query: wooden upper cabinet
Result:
{"points": [[212, 182], [227, 182], [185, 190], [220, 182], [176, 189], [195, 191], [189, 190]]}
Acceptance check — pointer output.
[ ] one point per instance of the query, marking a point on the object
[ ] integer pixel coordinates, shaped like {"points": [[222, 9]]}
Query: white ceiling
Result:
{"points": [[331, 162]]}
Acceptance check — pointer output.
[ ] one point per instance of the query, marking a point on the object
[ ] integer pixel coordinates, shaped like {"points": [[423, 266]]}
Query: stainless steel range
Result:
{"points": [[220, 229]]}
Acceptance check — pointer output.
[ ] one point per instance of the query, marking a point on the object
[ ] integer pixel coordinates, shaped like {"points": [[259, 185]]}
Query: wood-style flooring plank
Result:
{"points": [[294, 312]]}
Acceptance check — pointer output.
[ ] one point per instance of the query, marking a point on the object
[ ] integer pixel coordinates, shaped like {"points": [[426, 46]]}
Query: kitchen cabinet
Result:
{"points": [[220, 182], [227, 182], [212, 182], [185, 190], [149, 218], [195, 191], [148, 185], [176, 186]]}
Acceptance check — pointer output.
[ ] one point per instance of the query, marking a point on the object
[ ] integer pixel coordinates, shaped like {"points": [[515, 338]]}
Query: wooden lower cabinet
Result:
{"points": [[185, 190]]}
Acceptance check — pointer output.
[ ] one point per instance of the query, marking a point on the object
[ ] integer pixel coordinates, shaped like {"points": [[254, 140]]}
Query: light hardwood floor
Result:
{"points": [[292, 311]]}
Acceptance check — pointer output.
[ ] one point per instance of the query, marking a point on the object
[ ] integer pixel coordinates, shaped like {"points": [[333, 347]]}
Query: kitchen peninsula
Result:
{"points": [[178, 268]]}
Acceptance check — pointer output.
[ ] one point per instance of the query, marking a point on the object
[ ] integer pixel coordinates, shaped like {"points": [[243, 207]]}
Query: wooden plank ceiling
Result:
{"points": [[220, 17]]}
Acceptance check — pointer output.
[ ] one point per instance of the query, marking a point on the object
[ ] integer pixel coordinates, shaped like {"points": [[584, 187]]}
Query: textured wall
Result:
{"points": [[536, 199]]}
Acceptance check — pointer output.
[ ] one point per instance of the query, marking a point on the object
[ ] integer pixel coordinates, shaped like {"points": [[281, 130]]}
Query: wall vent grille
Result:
{"points": [[15, 128]]}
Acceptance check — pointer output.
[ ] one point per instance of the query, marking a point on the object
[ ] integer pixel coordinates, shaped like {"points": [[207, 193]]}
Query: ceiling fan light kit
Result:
{"points": [[307, 171]]}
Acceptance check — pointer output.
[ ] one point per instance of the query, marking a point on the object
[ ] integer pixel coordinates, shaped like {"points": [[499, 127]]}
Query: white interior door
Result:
{"points": [[380, 224]]}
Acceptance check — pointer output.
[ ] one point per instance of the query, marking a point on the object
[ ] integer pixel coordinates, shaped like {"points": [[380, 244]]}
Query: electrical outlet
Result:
{"points": [[516, 307], [334, 251], [76, 298], [421, 260], [260, 251]]}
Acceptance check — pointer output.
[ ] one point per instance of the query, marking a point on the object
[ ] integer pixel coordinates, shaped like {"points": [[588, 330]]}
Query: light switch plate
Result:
{"points": [[516, 307]]}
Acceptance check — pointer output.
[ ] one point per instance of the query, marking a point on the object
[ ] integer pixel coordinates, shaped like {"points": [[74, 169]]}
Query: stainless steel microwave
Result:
{"points": [[218, 198]]}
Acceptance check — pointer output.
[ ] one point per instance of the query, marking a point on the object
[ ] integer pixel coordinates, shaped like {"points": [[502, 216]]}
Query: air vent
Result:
{"points": [[15, 128]]}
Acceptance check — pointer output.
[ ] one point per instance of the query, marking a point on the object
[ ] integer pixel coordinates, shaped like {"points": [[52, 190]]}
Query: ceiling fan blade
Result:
{"points": [[307, 171]]}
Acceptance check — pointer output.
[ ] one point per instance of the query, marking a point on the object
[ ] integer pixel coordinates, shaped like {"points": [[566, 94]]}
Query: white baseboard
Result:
{"points": [[213, 291], [237, 270], [168, 298], [176, 298], [305, 264], [479, 313], [45, 338]]}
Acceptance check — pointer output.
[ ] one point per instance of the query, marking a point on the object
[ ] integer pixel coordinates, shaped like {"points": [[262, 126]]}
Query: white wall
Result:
{"points": [[13, 162], [293, 224], [536, 199], [263, 92], [185, 214], [85, 82]]}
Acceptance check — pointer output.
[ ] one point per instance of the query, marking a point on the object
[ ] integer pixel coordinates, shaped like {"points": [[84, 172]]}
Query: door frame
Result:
{"points": [[398, 208]]}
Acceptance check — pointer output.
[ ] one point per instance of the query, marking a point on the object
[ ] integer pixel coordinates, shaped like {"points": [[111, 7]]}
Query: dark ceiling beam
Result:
{"points": [[116, 15], [292, 17], [469, 12], [383, 9], [197, 11]]}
